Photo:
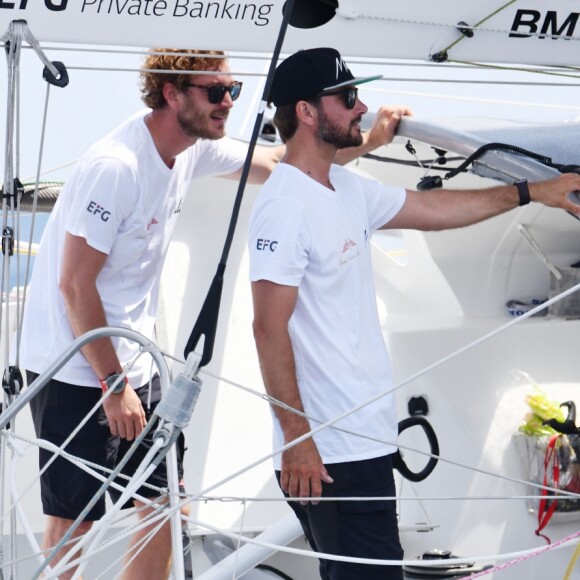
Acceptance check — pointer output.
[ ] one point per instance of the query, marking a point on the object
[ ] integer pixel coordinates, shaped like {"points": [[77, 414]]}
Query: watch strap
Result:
{"points": [[107, 380], [523, 191]]}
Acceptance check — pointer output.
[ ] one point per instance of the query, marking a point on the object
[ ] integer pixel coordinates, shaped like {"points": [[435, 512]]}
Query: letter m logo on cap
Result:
{"points": [[340, 66]]}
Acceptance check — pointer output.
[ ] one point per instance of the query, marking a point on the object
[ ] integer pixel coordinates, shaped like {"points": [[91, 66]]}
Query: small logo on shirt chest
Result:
{"points": [[349, 251]]}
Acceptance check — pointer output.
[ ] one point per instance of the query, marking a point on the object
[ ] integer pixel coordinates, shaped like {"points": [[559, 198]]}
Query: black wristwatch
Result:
{"points": [[109, 383], [523, 191]]}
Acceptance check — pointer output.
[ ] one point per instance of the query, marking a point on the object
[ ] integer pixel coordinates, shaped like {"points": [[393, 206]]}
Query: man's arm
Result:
{"points": [[264, 160], [302, 467], [81, 266], [440, 209]]}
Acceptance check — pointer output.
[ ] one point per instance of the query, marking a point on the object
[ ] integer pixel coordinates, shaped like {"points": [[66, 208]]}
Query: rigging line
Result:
{"points": [[144, 471], [451, 64], [40, 554], [173, 72], [60, 449], [33, 542], [474, 99], [498, 67], [277, 548], [90, 536], [476, 26], [308, 553], [262, 499], [34, 44], [149, 463], [17, 505], [206, 323], [239, 544], [234, 475], [411, 378], [384, 79], [82, 559], [572, 563], [137, 548], [19, 308], [117, 537], [429, 164], [140, 52], [421, 503], [14, 34], [522, 558], [481, 82], [159, 517], [271, 400], [263, 57], [227, 533], [52, 170], [563, 543], [395, 20], [17, 500], [109, 480], [89, 467], [8, 184], [560, 544]]}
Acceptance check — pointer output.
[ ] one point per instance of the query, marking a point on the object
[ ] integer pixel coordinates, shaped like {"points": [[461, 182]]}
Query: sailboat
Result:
{"points": [[475, 319]]}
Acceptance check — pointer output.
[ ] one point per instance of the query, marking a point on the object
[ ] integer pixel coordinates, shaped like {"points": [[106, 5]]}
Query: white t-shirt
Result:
{"points": [[124, 201], [306, 235]]}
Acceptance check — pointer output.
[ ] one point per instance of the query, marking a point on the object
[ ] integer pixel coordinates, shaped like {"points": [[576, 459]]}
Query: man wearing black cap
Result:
{"points": [[316, 325]]}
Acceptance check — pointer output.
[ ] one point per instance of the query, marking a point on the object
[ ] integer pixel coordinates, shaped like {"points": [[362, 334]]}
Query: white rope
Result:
{"points": [[331, 425], [21, 304], [262, 499], [566, 542]]}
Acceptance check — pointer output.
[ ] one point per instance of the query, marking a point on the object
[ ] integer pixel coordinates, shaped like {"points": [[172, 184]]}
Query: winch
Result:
{"points": [[447, 569]]}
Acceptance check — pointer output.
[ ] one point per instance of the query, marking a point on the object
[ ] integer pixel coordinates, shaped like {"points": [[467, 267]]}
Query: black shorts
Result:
{"points": [[360, 529], [65, 489]]}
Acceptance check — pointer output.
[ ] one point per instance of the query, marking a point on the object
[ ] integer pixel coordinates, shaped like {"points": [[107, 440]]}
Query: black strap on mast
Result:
{"points": [[206, 323]]}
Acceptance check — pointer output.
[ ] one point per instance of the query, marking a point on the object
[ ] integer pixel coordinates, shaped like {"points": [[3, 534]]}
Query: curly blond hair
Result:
{"points": [[173, 59]]}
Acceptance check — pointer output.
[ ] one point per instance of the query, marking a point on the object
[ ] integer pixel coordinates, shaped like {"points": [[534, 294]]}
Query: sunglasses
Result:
{"points": [[348, 95], [216, 93]]}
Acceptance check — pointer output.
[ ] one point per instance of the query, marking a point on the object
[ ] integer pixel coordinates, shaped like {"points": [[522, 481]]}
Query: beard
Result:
{"points": [[196, 124], [334, 135]]}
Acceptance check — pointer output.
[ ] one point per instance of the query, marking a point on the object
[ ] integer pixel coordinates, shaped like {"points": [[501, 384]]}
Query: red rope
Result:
{"points": [[546, 508]]}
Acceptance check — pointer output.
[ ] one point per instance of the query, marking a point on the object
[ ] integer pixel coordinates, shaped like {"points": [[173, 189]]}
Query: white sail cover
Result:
{"points": [[517, 31]]}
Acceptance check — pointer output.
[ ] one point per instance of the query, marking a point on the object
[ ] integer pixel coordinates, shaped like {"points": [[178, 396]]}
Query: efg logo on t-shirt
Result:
{"points": [[99, 210], [263, 244]]}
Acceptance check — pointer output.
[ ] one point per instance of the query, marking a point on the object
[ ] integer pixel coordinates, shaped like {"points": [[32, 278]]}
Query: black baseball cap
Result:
{"points": [[309, 72]]}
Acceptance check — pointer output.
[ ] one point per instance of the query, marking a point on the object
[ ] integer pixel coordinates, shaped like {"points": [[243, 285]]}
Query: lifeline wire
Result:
{"points": [[569, 540]]}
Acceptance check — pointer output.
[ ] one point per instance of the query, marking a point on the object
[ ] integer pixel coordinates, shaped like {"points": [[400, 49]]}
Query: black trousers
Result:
{"points": [[362, 529]]}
